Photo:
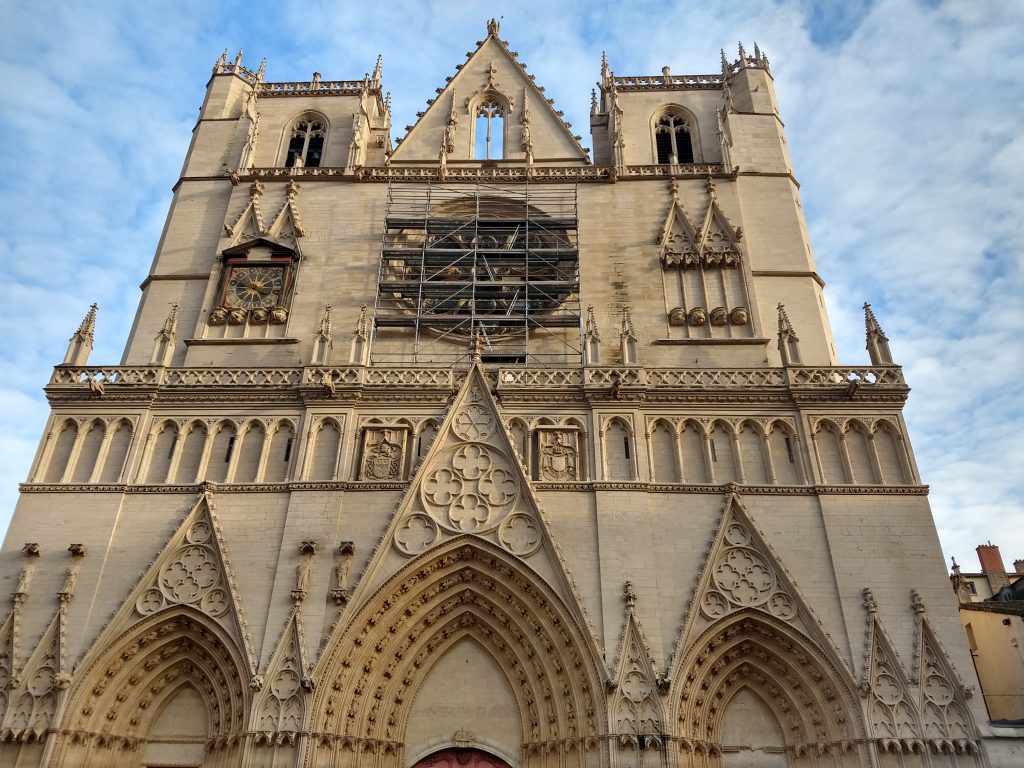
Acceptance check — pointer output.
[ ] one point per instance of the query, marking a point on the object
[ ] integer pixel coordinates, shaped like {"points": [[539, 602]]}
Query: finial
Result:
{"points": [[377, 68], [88, 325], [238, 58], [171, 323], [628, 594], [673, 188], [477, 346], [221, 62], [875, 339], [757, 51], [956, 566], [494, 27], [743, 54], [261, 70], [869, 601], [627, 325], [593, 101], [789, 347], [591, 324], [709, 185], [360, 322], [785, 327], [606, 73], [325, 323], [916, 602], [725, 63]]}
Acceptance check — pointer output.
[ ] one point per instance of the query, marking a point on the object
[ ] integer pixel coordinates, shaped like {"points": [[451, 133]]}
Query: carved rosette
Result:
{"points": [[192, 577], [742, 578]]}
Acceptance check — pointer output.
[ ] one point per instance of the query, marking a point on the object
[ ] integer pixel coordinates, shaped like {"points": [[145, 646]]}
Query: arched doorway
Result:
{"points": [[459, 757]]}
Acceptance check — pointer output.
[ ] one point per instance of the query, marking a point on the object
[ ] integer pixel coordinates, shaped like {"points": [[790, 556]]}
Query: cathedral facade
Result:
{"points": [[472, 449]]}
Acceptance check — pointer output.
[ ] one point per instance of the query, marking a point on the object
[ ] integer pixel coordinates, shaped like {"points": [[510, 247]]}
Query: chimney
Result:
{"points": [[992, 566], [1018, 566]]}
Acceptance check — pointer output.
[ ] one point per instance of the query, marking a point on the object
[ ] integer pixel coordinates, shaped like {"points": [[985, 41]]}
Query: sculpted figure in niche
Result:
{"points": [[719, 316], [558, 460], [383, 459], [698, 316], [677, 316], [739, 316]]}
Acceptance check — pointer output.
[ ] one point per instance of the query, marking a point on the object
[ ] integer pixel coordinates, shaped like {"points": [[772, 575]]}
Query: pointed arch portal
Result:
{"points": [[461, 758], [467, 589]]}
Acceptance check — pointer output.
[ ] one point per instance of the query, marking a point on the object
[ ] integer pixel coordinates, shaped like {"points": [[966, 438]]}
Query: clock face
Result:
{"points": [[254, 287]]}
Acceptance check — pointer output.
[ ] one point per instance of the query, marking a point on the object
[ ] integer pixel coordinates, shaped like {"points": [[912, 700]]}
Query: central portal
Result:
{"points": [[461, 758]]}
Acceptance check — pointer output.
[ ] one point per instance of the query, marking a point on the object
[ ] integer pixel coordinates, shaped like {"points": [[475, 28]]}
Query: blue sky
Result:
{"points": [[903, 119]]}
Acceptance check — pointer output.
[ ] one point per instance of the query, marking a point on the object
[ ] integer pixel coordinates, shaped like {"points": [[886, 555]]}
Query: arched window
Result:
{"points": [[672, 139], [489, 136], [307, 143]]}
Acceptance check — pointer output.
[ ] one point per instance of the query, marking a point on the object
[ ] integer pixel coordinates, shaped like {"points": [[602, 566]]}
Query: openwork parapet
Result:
{"points": [[846, 378]]}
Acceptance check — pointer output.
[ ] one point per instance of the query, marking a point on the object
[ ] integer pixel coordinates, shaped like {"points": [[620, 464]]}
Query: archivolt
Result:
{"points": [[810, 695], [120, 693], [467, 588]]}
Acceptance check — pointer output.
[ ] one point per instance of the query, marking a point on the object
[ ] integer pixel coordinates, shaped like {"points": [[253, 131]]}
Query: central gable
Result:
{"points": [[524, 124]]}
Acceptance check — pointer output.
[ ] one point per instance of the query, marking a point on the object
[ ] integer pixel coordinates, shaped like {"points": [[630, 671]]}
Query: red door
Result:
{"points": [[461, 758]]}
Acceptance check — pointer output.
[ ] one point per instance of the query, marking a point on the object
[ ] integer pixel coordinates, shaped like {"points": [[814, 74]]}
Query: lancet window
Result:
{"points": [[306, 144], [672, 139], [489, 136]]}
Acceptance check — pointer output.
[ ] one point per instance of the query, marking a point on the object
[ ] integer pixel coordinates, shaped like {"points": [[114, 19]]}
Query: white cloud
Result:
{"points": [[901, 117]]}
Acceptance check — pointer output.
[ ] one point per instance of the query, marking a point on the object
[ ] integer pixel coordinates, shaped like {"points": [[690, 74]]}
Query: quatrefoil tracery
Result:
{"points": [[473, 491]]}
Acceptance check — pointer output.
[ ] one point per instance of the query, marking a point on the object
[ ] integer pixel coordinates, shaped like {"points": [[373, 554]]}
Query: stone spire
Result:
{"points": [[789, 343], [377, 69], [591, 339], [877, 341], [627, 339], [163, 347], [606, 73], [323, 340], [80, 343], [360, 352]]}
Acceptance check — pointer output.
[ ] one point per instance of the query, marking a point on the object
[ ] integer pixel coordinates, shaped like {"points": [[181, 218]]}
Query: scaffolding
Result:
{"points": [[464, 259]]}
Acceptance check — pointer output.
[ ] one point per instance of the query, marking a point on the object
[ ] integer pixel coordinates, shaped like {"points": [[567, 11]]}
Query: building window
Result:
{"points": [[306, 145], [672, 139], [489, 138]]}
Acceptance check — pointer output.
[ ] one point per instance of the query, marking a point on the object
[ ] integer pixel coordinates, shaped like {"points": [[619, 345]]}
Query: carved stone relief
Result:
{"points": [[383, 453], [559, 455]]}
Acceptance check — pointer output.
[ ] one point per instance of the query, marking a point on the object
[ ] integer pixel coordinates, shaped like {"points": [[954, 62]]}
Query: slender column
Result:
{"points": [[737, 458], [876, 465], [76, 450], [307, 452], [204, 458], [180, 438], [844, 455], [236, 449], [680, 466], [101, 455], [769, 462], [268, 439], [709, 458]]}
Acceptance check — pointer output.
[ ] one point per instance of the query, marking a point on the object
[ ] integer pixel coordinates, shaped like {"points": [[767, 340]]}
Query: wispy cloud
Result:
{"points": [[900, 116]]}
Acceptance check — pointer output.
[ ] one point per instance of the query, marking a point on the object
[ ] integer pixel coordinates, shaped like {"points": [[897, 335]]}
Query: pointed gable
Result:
{"points": [[34, 701], [192, 570], [637, 714], [892, 714], [472, 481], [282, 708], [492, 74], [743, 572]]}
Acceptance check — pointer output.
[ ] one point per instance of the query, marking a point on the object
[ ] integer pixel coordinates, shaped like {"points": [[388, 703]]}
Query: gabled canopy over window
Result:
{"points": [[489, 137], [307, 143], [672, 138]]}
